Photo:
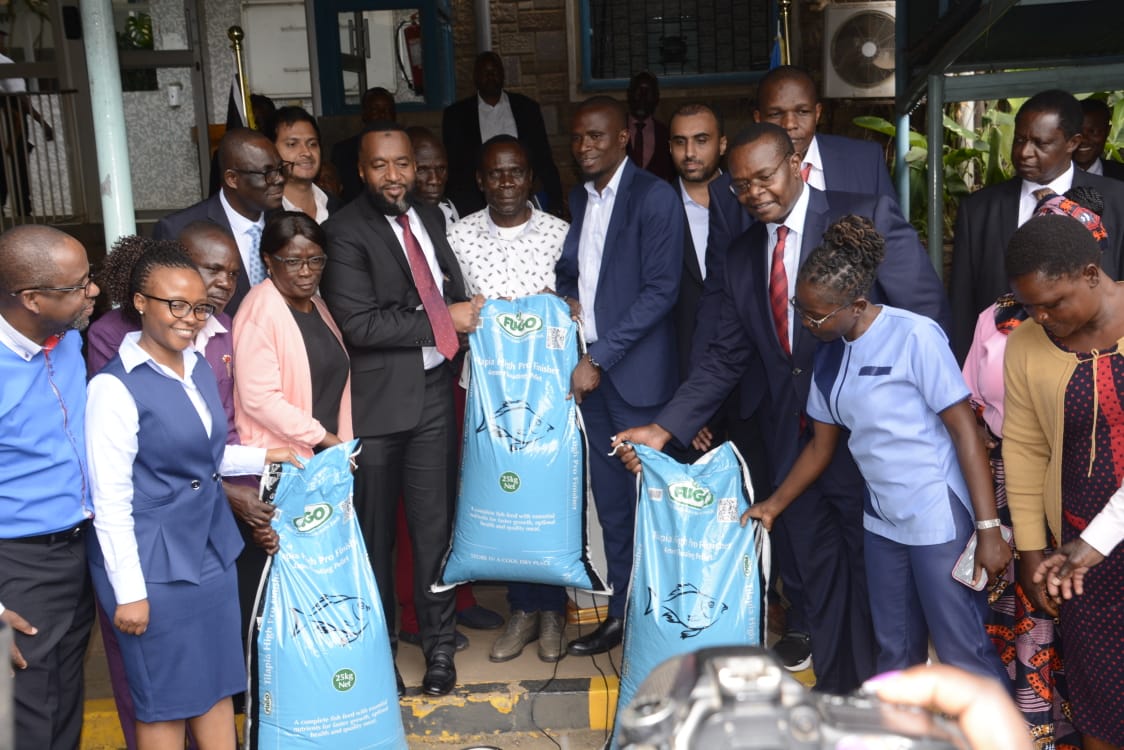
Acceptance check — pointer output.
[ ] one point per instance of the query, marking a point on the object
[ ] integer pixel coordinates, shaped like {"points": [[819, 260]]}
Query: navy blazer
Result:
{"points": [[746, 336], [637, 286], [985, 222], [211, 210], [460, 131]]}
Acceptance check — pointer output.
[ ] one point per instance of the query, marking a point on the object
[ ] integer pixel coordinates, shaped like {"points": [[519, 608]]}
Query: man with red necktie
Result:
{"points": [[397, 293], [760, 334]]}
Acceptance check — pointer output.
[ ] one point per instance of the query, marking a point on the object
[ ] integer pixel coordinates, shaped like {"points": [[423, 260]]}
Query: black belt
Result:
{"points": [[58, 537]]}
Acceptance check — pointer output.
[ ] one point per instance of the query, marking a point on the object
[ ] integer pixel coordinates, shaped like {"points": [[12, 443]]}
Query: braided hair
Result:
{"points": [[847, 261], [129, 264]]}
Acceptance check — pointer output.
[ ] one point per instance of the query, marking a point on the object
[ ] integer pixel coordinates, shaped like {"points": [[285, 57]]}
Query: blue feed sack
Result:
{"points": [[698, 579], [522, 504], [323, 674]]}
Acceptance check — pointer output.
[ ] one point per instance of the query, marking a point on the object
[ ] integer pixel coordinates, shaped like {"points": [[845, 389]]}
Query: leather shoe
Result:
{"points": [[551, 625], [522, 628], [400, 681], [480, 618], [440, 674], [607, 636]]}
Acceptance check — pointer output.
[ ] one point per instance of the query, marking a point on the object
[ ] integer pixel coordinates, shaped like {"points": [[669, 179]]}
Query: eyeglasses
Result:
{"points": [[180, 308], [815, 322], [85, 288], [294, 265], [742, 187], [282, 170]]}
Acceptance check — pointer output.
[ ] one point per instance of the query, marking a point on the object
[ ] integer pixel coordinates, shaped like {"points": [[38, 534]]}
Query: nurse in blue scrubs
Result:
{"points": [[887, 377]]}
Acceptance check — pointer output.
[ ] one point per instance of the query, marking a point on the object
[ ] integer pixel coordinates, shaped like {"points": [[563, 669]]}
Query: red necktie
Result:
{"points": [[806, 170], [778, 290], [433, 302]]}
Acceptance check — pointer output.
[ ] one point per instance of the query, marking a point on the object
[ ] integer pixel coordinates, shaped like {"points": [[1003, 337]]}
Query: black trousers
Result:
{"points": [[49, 586], [420, 466]]}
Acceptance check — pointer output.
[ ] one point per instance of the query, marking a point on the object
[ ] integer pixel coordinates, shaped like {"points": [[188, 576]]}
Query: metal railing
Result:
{"points": [[41, 175]]}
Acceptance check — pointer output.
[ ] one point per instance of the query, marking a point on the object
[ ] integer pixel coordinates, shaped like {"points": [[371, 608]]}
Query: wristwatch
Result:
{"points": [[990, 523], [592, 361]]}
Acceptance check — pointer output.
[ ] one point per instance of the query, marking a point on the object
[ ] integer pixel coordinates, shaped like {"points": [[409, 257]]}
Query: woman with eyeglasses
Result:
{"points": [[293, 387], [888, 377], [166, 541]]}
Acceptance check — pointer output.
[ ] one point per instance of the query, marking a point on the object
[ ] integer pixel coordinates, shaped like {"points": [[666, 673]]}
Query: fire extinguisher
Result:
{"points": [[410, 37]]}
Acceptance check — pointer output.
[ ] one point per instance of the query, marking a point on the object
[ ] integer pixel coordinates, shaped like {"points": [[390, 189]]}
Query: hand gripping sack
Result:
{"points": [[697, 576], [323, 676], [522, 501]]}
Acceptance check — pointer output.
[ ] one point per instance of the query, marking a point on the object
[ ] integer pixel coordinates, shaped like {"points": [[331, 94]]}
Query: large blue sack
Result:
{"points": [[323, 676], [523, 494], [698, 577]]}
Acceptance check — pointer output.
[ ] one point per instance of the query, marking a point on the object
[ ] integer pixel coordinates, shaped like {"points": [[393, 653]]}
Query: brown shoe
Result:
{"points": [[551, 645], [522, 628]]}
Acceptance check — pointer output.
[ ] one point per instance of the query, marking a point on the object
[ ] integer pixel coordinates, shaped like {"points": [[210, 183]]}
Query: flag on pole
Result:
{"points": [[776, 56], [236, 103]]}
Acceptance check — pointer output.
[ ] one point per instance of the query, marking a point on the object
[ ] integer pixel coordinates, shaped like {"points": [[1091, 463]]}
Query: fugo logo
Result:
{"points": [[314, 517], [510, 481], [747, 565], [267, 703], [343, 680], [690, 494], [519, 325]]}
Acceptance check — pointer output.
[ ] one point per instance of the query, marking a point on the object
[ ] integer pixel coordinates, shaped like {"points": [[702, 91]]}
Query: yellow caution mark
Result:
{"points": [[603, 694]]}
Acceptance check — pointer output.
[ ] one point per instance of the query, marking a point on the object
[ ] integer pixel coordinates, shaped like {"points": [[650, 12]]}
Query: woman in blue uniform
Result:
{"points": [[163, 564], [888, 377]]}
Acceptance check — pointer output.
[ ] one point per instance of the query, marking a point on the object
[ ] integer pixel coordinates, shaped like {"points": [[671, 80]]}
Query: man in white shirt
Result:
{"points": [[253, 182], [697, 146], [491, 111], [1094, 134], [1047, 133]]}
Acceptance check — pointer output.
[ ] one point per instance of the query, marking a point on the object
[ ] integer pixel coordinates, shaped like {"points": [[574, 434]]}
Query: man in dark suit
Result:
{"points": [[394, 287], [622, 260], [1089, 155], [1047, 133], [696, 145], [786, 97], [468, 123], [377, 104], [253, 182], [826, 534], [648, 137]]}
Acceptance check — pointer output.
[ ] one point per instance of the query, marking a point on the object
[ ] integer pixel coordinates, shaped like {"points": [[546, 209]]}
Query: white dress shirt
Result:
{"points": [[795, 223], [698, 221], [239, 226], [496, 120], [112, 424], [430, 356], [1027, 201], [591, 247], [321, 199], [816, 177], [21, 345], [1097, 167]]}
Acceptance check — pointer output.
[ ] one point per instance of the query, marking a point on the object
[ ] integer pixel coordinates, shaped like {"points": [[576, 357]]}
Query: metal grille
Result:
{"points": [[678, 37]]}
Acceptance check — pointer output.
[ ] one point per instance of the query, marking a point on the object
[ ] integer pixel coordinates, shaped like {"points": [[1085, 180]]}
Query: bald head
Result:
{"points": [[234, 144], [28, 255]]}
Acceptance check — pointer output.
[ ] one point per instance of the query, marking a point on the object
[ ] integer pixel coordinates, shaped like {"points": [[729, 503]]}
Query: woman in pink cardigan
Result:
{"points": [[293, 382]]}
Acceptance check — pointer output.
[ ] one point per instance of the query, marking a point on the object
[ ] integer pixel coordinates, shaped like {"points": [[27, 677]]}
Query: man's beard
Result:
{"points": [[80, 323], [706, 176], [389, 207]]}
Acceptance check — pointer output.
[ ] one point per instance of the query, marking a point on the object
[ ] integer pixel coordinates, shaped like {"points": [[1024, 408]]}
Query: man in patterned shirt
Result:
{"points": [[509, 249]]}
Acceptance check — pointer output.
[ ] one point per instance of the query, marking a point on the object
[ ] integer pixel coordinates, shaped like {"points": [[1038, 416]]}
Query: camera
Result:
{"points": [[742, 698]]}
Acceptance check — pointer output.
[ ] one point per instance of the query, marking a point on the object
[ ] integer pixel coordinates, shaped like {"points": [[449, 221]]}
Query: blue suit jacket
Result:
{"points": [[637, 287], [746, 336]]}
